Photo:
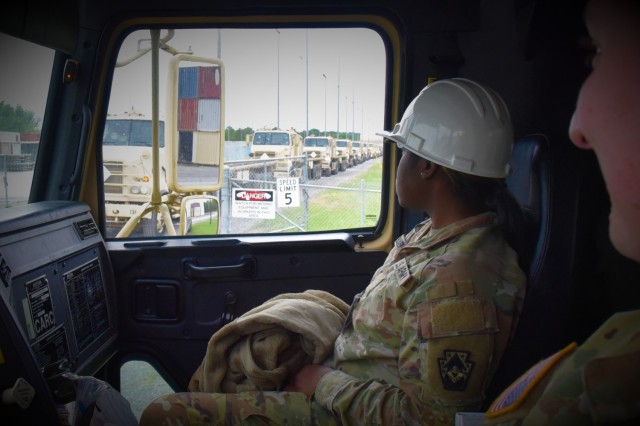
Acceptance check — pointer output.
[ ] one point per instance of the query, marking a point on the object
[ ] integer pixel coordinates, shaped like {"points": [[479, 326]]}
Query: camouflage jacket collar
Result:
{"points": [[420, 238]]}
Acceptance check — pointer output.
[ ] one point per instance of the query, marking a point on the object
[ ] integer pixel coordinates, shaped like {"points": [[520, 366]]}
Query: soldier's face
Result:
{"points": [[409, 184], [606, 118]]}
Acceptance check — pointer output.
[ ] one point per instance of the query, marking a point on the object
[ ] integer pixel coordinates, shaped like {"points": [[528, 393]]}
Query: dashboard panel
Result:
{"points": [[58, 299]]}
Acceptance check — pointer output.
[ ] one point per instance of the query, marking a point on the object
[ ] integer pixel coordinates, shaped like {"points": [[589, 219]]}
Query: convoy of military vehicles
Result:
{"points": [[317, 155], [285, 153]]}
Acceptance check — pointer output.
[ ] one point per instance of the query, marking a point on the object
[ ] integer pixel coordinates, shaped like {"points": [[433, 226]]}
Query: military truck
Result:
{"points": [[322, 149], [356, 148], [128, 169], [283, 145], [345, 149]]}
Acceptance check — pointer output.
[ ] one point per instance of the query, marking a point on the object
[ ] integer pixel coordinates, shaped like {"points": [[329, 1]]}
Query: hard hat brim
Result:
{"points": [[393, 137]]}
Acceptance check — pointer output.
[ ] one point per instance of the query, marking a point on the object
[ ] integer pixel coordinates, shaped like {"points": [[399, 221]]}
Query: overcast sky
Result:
{"points": [[351, 59], [24, 74]]}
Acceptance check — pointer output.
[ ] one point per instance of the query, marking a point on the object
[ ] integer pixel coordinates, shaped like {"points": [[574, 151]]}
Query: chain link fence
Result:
{"points": [[350, 199]]}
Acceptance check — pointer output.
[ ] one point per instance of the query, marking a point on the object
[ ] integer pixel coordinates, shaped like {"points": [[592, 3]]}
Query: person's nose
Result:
{"points": [[575, 134]]}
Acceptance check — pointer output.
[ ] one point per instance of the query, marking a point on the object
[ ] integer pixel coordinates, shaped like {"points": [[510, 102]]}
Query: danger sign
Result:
{"points": [[288, 192], [253, 203]]}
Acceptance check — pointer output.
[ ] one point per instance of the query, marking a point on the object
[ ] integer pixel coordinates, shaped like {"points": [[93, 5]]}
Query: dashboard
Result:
{"points": [[58, 305]]}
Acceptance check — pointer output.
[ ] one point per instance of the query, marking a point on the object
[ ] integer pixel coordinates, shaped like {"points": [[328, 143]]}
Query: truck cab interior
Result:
{"points": [[80, 299]]}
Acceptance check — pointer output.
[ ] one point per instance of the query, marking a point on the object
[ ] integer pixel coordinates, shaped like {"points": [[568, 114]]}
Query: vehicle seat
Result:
{"points": [[543, 327]]}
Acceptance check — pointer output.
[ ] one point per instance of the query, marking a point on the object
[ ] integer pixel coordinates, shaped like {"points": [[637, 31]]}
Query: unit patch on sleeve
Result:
{"points": [[455, 369], [513, 396]]}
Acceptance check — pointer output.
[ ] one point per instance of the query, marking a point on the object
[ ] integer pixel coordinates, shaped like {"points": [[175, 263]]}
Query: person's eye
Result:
{"points": [[591, 52]]}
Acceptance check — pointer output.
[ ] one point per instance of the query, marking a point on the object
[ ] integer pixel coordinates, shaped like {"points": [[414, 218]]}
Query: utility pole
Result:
{"points": [[338, 128], [219, 44], [325, 104], [278, 106], [353, 114], [306, 55]]}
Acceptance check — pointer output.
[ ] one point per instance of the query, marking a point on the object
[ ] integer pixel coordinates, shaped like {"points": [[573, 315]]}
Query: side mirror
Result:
{"points": [[194, 126], [199, 215]]}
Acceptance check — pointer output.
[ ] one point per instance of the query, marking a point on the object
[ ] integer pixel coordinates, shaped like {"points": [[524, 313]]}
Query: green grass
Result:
{"points": [[205, 228], [335, 209]]}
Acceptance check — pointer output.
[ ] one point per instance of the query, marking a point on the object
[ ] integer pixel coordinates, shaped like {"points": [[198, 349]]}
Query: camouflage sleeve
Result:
{"points": [[364, 401], [446, 357]]}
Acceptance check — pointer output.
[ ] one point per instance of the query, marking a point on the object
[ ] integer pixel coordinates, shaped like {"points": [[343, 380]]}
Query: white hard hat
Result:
{"points": [[458, 124]]}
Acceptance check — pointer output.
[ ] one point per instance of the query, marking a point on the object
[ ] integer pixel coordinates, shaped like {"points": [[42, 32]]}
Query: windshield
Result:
{"points": [[316, 142], [267, 138], [341, 144], [127, 132]]}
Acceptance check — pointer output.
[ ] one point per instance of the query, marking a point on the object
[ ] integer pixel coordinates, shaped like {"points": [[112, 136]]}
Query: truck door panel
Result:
{"points": [[173, 295]]}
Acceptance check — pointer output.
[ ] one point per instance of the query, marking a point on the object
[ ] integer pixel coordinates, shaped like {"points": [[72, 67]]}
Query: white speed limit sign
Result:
{"points": [[288, 192]]}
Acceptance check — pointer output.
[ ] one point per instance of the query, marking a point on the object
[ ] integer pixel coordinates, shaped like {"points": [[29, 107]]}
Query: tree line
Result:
{"points": [[17, 119], [243, 134]]}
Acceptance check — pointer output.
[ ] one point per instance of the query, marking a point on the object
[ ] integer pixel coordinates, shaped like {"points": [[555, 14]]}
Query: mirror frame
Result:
{"points": [[171, 126], [183, 211]]}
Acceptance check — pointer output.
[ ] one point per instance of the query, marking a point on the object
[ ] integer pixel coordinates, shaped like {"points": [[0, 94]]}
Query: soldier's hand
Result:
{"points": [[306, 380]]}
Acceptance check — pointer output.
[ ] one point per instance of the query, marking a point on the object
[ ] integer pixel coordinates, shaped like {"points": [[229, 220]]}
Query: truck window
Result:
{"points": [[129, 132], [276, 91], [270, 138], [23, 95]]}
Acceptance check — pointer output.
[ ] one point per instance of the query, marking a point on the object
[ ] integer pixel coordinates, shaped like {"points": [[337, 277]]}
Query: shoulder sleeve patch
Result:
{"points": [[512, 397], [455, 369]]}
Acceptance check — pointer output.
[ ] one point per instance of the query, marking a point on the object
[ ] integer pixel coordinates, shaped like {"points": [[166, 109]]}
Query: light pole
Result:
{"points": [[346, 116], [278, 101], [353, 114], [338, 129], [325, 103], [306, 55], [219, 44]]}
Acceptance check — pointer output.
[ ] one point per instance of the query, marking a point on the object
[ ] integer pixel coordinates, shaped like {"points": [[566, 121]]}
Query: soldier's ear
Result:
{"points": [[428, 170]]}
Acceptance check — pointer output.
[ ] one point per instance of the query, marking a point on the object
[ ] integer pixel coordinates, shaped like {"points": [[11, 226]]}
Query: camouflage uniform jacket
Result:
{"points": [[426, 335], [597, 383]]}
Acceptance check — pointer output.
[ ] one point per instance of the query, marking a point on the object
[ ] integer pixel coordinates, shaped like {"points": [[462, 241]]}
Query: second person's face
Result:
{"points": [[607, 115]]}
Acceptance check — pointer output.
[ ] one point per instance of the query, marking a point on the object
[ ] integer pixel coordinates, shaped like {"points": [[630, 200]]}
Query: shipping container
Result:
{"points": [[9, 137], [188, 83], [208, 115], [209, 83], [185, 147], [29, 137], [187, 115], [204, 147]]}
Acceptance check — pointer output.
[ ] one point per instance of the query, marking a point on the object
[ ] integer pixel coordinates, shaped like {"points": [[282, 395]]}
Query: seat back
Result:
{"points": [[543, 326]]}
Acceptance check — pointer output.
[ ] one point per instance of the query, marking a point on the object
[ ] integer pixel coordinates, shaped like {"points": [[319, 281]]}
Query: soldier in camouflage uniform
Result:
{"points": [[423, 340], [598, 382]]}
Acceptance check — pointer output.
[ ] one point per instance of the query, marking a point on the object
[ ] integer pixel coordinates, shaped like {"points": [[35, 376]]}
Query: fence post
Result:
{"points": [[305, 169], [305, 194], [5, 181], [363, 193], [224, 216]]}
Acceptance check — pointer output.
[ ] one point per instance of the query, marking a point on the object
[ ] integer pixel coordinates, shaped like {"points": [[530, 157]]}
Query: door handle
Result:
{"points": [[246, 268]]}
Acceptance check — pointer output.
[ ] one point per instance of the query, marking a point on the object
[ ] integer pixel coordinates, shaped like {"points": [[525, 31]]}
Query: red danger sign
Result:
{"points": [[253, 203], [254, 195]]}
